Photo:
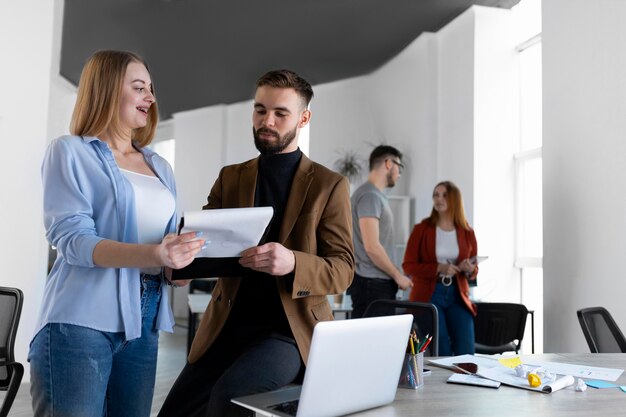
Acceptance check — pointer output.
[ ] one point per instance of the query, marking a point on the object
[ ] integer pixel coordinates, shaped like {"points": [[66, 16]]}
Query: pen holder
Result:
{"points": [[412, 375]]}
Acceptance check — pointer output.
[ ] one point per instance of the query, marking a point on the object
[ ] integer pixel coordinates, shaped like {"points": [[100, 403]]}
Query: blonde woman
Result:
{"points": [[109, 209], [440, 259]]}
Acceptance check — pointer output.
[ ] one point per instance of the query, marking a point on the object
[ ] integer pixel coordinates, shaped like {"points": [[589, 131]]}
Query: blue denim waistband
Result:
{"points": [[148, 278]]}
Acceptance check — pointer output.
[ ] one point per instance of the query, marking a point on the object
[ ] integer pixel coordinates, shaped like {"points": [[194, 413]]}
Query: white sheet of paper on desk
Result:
{"points": [[481, 361], [508, 376], [228, 232], [581, 371]]}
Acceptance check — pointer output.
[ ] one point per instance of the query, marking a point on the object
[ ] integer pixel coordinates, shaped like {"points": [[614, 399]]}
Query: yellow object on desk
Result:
{"points": [[534, 380]]}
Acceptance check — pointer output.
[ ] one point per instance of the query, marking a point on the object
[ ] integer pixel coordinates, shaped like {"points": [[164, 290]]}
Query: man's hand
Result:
{"points": [[271, 258], [403, 282]]}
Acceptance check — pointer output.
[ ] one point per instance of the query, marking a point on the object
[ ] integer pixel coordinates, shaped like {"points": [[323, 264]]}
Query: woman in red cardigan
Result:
{"points": [[440, 259]]}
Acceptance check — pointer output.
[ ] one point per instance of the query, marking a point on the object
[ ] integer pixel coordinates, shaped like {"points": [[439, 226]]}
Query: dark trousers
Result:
{"points": [[233, 366], [365, 290]]}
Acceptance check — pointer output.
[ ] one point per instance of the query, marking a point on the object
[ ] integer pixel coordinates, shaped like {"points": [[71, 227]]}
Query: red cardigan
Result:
{"points": [[420, 262]]}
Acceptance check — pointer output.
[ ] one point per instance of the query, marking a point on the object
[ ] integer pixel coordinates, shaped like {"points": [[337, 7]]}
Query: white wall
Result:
{"points": [[341, 121], [403, 97], [584, 108], [200, 139], [456, 106], [25, 88]]}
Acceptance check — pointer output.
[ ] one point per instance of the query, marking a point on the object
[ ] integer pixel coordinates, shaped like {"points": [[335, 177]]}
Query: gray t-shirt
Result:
{"points": [[369, 201]]}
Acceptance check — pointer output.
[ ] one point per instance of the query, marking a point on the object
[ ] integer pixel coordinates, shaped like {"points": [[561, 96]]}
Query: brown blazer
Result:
{"points": [[420, 262], [317, 226]]}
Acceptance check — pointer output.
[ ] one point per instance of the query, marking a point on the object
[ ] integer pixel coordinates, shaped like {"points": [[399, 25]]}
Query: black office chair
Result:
{"points": [[425, 318], [601, 331], [499, 327], [11, 372]]}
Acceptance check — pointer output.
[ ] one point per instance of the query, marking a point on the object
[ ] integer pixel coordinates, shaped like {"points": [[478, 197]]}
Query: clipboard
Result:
{"points": [[227, 231], [476, 260]]}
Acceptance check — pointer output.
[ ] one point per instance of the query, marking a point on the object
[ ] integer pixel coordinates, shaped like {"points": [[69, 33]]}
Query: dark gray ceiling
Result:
{"points": [[206, 52]]}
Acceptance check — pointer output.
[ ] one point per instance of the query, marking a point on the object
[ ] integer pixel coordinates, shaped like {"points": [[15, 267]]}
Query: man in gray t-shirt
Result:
{"points": [[377, 276]]}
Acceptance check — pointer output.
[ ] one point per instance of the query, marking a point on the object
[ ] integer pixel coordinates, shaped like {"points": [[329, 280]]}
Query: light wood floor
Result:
{"points": [[172, 355]]}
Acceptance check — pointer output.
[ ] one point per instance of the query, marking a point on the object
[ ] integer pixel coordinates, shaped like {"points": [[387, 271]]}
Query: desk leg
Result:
{"points": [[532, 330]]}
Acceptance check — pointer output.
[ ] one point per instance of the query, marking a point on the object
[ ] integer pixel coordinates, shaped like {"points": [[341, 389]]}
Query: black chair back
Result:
{"points": [[425, 318], [600, 330], [11, 372], [499, 327]]}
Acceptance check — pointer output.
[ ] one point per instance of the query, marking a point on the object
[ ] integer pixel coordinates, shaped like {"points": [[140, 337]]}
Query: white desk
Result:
{"points": [[438, 398], [197, 305]]}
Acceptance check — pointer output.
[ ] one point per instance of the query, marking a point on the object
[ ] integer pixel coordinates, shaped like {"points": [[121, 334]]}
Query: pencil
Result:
{"points": [[419, 348], [423, 348]]}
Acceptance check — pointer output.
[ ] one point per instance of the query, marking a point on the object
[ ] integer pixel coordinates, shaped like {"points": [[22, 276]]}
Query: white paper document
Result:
{"points": [[581, 371], [483, 362], [508, 376], [473, 380], [491, 368], [228, 232]]}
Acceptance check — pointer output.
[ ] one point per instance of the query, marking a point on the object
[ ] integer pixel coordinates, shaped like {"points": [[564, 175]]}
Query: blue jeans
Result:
{"points": [[78, 371], [456, 322]]}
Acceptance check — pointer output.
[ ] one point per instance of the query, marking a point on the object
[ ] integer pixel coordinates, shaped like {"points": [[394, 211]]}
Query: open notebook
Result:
{"points": [[353, 365]]}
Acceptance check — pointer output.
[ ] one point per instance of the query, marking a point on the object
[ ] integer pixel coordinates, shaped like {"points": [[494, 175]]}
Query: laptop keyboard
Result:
{"points": [[289, 407]]}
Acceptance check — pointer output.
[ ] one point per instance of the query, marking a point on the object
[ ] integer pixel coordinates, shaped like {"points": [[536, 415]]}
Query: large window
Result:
{"points": [[529, 242], [528, 174]]}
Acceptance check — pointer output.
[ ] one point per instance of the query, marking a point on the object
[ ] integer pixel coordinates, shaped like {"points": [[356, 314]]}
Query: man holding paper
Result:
{"points": [[256, 333]]}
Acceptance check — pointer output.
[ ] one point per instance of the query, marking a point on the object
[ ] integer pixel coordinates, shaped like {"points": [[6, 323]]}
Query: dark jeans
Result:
{"points": [[365, 290], [456, 322], [232, 367]]}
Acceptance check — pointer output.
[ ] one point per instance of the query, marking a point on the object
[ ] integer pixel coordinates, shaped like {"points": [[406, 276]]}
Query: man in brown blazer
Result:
{"points": [[256, 333]]}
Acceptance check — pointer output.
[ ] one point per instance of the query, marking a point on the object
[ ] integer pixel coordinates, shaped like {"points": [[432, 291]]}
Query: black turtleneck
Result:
{"points": [[258, 308]]}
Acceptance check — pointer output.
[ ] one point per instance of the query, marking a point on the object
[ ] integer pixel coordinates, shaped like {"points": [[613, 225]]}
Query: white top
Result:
{"points": [[155, 205], [446, 246]]}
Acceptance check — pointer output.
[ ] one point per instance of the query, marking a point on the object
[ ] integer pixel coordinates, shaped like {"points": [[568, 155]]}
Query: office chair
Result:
{"points": [[499, 327], [11, 372], [425, 318], [601, 331]]}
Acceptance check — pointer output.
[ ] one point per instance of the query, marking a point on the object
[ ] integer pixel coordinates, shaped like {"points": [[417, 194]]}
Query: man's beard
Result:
{"points": [[390, 182], [266, 147]]}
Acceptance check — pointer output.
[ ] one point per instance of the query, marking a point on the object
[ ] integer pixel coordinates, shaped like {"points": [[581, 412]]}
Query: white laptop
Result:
{"points": [[353, 365]]}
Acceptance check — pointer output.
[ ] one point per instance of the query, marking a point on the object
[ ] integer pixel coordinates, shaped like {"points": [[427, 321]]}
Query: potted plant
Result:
{"points": [[349, 165]]}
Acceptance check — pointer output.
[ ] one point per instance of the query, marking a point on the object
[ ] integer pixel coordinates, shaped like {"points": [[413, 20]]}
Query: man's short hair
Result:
{"points": [[285, 78], [381, 153]]}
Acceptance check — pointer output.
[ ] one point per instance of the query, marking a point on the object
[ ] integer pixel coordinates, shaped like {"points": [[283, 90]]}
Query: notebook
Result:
{"points": [[353, 365]]}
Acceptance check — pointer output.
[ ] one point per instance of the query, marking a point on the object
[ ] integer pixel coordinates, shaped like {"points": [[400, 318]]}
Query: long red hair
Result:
{"points": [[455, 206]]}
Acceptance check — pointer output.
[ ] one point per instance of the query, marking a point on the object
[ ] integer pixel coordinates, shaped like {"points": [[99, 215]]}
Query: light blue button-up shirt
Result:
{"points": [[86, 200]]}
